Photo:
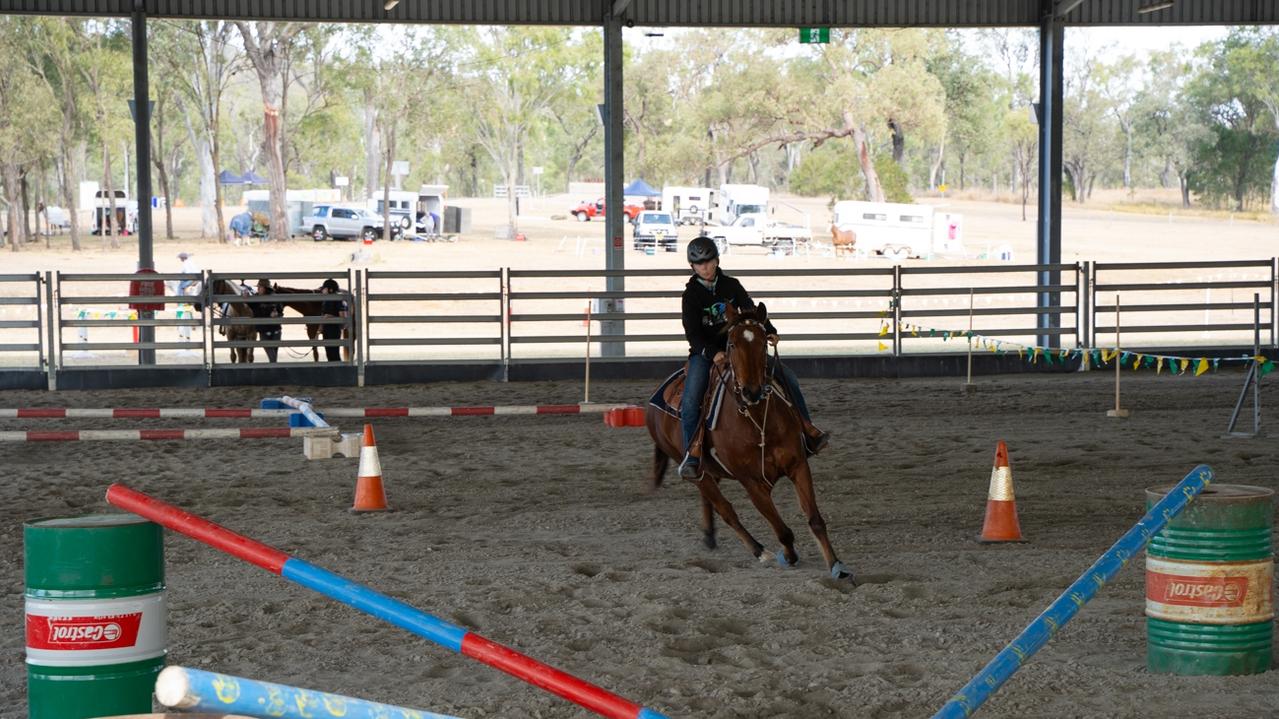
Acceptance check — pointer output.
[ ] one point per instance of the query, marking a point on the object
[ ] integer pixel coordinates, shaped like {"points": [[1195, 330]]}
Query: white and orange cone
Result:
{"points": [[1001, 507], [369, 495]]}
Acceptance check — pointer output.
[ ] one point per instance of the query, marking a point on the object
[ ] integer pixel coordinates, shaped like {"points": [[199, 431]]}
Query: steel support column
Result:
{"points": [[614, 222], [1051, 36], [142, 138]]}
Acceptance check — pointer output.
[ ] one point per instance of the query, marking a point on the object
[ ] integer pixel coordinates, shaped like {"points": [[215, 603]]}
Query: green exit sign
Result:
{"points": [[814, 35]]}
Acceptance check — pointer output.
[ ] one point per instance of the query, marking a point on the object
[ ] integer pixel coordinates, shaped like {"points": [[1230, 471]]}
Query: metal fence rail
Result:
{"points": [[349, 339], [1177, 298], [462, 313], [12, 318], [508, 316]]}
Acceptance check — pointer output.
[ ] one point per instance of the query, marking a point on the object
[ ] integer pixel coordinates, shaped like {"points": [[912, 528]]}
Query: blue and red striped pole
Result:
{"points": [[334, 586]]}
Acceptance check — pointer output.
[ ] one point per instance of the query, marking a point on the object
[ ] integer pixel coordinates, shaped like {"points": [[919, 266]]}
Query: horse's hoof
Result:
{"points": [[838, 571], [781, 560], [708, 539]]}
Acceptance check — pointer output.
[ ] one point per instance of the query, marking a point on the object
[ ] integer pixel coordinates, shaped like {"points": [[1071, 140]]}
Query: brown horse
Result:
{"points": [[240, 355], [842, 240], [310, 308], [756, 437]]}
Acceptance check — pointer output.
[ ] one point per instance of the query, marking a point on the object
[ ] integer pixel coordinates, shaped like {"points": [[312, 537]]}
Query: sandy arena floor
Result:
{"points": [[537, 532]]}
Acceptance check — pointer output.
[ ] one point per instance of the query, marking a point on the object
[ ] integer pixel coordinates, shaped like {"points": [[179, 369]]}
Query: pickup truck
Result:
{"points": [[587, 210], [336, 222], [757, 231], [656, 229]]}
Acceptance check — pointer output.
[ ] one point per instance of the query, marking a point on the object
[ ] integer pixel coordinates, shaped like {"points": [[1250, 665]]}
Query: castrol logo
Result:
{"points": [[1197, 591], [83, 633]]}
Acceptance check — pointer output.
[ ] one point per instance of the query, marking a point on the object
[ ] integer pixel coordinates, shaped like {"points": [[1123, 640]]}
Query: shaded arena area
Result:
{"points": [[539, 533]]}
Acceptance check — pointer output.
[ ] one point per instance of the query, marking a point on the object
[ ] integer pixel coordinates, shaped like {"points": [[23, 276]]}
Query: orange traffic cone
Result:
{"points": [[369, 495], [1001, 507]]}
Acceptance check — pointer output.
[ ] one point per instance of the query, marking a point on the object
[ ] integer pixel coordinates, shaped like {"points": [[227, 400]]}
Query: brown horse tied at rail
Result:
{"points": [[309, 308], [240, 310], [756, 439]]}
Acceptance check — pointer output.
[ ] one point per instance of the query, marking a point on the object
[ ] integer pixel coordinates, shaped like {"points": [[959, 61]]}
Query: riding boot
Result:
{"points": [[815, 440], [691, 467]]}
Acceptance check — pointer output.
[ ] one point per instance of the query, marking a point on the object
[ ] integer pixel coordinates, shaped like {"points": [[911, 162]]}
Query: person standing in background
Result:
{"points": [[336, 307], [268, 332]]}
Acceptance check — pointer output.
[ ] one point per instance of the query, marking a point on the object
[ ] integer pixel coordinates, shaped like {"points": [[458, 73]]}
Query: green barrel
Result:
{"points": [[95, 615], [1209, 577]]}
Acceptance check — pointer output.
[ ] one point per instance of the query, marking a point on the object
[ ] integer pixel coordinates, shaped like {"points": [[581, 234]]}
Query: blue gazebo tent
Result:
{"points": [[253, 178], [226, 177], [639, 188]]}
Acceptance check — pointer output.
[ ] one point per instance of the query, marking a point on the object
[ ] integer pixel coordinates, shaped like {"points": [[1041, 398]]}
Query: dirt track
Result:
{"points": [[537, 533]]}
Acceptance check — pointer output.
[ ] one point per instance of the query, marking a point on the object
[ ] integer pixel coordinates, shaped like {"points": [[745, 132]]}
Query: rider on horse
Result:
{"points": [[706, 297]]}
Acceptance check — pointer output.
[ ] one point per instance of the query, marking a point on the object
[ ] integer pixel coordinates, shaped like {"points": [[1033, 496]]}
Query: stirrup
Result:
{"points": [[690, 468], [815, 445]]}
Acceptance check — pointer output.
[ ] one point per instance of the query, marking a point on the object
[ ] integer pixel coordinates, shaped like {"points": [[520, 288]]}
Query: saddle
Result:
{"points": [[669, 395]]}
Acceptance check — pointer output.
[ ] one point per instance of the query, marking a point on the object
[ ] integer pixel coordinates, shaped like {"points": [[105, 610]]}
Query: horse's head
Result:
{"points": [[748, 351]]}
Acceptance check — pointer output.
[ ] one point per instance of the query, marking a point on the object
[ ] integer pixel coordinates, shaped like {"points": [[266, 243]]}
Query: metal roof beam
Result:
{"points": [[619, 7]]}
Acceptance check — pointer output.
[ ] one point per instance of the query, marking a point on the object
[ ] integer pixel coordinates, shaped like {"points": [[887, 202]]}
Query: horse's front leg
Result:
{"points": [[313, 331], [802, 477], [761, 496], [711, 495]]}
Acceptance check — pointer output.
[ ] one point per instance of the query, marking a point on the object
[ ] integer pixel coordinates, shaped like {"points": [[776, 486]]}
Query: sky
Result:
{"points": [[1135, 40]]}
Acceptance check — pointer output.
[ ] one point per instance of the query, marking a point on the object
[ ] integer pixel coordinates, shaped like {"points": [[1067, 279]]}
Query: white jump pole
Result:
{"points": [[586, 397], [1117, 411]]}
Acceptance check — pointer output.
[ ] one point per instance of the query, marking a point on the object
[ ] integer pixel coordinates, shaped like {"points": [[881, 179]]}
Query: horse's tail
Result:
{"points": [[660, 463]]}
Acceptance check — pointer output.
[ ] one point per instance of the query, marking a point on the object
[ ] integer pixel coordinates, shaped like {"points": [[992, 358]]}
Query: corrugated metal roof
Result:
{"points": [[782, 13]]}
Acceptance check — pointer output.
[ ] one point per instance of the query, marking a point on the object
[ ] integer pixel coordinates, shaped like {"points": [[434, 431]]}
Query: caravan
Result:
{"points": [[899, 230], [691, 205], [297, 205]]}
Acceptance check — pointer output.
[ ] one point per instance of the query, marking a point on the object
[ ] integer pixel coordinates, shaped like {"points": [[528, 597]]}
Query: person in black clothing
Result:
{"points": [[706, 298], [268, 309], [332, 308]]}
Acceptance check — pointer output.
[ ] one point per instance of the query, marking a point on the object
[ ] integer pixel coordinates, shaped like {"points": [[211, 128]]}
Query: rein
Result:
{"points": [[744, 407]]}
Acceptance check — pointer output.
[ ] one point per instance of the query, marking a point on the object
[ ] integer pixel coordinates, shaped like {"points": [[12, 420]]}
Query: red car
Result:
{"points": [[587, 210]]}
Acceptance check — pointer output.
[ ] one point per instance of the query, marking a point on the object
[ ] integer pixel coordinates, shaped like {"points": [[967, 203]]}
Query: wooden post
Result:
{"points": [[968, 384], [586, 397], [1118, 411]]}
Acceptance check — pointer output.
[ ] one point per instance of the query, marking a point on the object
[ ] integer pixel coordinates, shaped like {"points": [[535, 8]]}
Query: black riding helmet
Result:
{"points": [[330, 284], [702, 249]]}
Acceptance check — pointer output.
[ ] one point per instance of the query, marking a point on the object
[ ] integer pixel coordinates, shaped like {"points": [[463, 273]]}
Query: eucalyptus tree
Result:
{"points": [[574, 131], [53, 50], [1085, 128], [1253, 58], [105, 67], [513, 76], [269, 48], [1169, 127], [973, 108], [1235, 164], [200, 59], [1119, 84], [28, 121], [400, 78]]}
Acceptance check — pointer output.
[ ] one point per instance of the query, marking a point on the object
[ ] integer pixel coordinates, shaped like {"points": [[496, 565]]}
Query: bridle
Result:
{"points": [[744, 405]]}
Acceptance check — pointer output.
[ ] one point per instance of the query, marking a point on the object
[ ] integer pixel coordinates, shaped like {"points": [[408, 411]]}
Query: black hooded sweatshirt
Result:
{"points": [[703, 313]]}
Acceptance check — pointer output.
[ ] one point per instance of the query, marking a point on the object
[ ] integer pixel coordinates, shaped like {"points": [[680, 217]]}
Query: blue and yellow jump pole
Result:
{"points": [[193, 689], [1063, 609]]}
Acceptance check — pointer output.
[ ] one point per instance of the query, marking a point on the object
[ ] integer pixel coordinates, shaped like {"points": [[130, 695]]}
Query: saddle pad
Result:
{"points": [[668, 396]]}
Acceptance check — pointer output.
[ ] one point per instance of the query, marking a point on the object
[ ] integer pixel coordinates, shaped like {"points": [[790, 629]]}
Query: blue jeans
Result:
{"points": [[699, 374]]}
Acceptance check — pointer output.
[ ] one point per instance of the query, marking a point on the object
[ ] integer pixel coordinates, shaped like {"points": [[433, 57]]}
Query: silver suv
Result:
{"points": [[655, 229], [337, 222]]}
